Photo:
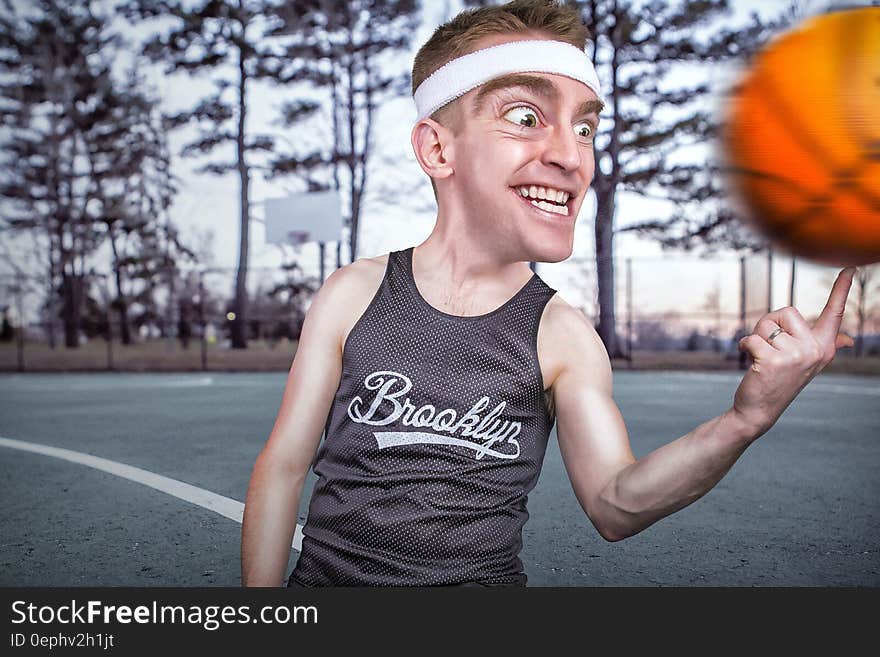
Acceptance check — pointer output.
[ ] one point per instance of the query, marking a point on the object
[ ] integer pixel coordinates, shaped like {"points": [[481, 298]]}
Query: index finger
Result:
{"points": [[828, 324]]}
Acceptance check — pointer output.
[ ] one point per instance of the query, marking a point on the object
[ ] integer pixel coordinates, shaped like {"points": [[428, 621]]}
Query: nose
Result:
{"points": [[562, 149]]}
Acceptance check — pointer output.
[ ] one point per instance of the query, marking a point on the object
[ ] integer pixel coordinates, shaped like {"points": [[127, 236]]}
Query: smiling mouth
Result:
{"points": [[550, 201]]}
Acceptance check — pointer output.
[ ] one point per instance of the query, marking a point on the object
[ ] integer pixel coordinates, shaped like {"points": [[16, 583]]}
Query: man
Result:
{"points": [[436, 372]]}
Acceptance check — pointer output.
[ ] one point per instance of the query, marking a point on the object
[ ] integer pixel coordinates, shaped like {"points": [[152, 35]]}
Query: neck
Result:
{"points": [[458, 261]]}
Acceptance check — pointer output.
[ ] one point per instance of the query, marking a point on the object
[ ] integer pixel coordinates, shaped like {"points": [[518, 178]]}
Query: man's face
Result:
{"points": [[523, 161]]}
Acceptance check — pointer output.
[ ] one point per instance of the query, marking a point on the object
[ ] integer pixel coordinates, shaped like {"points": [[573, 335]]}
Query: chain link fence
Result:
{"points": [[683, 311], [182, 320], [676, 311]]}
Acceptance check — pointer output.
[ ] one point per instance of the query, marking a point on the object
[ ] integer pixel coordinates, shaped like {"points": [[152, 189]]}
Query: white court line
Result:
{"points": [[842, 389], [137, 381], [813, 386], [225, 506], [188, 383]]}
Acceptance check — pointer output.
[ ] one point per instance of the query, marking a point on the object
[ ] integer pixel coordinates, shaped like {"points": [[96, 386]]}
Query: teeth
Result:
{"points": [[551, 207], [545, 194]]}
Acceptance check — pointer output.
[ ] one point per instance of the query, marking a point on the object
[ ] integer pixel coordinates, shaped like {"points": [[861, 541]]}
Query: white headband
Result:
{"points": [[467, 72]]}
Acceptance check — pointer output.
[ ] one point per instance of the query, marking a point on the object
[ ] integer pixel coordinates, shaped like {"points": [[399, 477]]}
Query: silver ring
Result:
{"points": [[772, 336]]}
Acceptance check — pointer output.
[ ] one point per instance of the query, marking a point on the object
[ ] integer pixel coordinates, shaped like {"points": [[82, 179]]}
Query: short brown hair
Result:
{"points": [[460, 35]]}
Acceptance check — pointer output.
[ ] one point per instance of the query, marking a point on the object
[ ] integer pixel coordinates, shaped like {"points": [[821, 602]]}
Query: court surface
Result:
{"points": [[800, 508]]}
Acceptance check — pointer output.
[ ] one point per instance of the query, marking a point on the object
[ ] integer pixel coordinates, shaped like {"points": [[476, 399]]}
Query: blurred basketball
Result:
{"points": [[802, 139]]}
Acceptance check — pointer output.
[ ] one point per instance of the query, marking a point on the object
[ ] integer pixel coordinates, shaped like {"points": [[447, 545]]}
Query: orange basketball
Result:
{"points": [[802, 139]]}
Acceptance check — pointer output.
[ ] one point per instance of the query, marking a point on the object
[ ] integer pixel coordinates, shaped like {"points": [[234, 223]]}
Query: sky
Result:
{"points": [[662, 282]]}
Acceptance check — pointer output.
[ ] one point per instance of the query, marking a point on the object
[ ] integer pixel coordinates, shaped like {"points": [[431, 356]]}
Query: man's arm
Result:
{"points": [[280, 470], [622, 495]]}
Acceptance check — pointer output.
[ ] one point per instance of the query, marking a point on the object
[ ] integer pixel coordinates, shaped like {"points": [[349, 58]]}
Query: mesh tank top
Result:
{"points": [[436, 435]]}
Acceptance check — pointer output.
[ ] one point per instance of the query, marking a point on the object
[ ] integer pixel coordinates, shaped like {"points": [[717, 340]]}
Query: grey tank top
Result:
{"points": [[436, 435]]}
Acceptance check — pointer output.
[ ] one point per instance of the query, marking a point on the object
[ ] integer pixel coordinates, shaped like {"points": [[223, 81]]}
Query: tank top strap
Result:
{"points": [[527, 301], [399, 282]]}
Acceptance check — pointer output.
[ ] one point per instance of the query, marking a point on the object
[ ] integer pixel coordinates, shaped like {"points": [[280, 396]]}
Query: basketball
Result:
{"points": [[801, 140]]}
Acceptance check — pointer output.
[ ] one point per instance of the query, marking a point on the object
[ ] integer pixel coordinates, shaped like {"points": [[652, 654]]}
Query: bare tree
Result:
{"points": [[226, 38], [636, 50], [59, 105], [347, 49]]}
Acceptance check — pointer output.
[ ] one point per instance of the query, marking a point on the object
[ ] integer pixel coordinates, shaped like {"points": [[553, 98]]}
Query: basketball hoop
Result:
{"points": [[297, 237]]}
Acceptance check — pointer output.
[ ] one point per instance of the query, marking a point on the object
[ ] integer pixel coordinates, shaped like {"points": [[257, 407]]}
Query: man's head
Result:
{"points": [[522, 117], [467, 31]]}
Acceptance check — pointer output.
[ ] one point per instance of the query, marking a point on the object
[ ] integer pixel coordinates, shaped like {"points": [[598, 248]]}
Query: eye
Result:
{"points": [[522, 115], [584, 129]]}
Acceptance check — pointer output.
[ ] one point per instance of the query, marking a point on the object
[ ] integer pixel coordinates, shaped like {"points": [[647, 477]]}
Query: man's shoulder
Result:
{"points": [[347, 292], [567, 322], [568, 339], [357, 278]]}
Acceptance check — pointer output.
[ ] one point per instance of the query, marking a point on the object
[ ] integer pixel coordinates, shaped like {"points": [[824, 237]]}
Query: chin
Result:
{"points": [[548, 252]]}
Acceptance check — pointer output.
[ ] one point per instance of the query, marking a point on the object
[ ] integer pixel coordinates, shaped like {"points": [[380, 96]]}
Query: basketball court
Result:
{"points": [[161, 503]]}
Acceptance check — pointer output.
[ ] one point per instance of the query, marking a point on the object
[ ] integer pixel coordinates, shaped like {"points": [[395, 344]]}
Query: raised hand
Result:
{"points": [[787, 353]]}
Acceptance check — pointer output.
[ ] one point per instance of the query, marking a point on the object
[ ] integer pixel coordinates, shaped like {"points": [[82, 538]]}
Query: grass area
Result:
{"points": [[161, 356], [154, 356], [844, 363]]}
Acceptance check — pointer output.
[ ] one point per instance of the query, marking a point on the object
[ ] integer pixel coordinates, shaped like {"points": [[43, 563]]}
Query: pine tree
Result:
{"points": [[57, 105], [222, 37], [137, 189], [351, 51], [651, 117]]}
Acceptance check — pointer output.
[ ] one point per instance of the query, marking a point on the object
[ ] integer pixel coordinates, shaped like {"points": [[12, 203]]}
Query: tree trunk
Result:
{"points": [[50, 300], [862, 280], [354, 193], [368, 129], [607, 325], [239, 324], [121, 304], [336, 150], [606, 189], [124, 324], [71, 289]]}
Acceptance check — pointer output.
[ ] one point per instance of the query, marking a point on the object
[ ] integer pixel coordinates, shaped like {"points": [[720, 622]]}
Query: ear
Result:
{"points": [[432, 144]]}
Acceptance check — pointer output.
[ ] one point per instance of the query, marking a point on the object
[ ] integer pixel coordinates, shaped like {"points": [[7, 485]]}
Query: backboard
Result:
{"points": [[306, 217]]}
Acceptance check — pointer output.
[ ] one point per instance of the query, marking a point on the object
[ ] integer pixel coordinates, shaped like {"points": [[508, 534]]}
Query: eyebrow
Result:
{"points": [[538, 86]]}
